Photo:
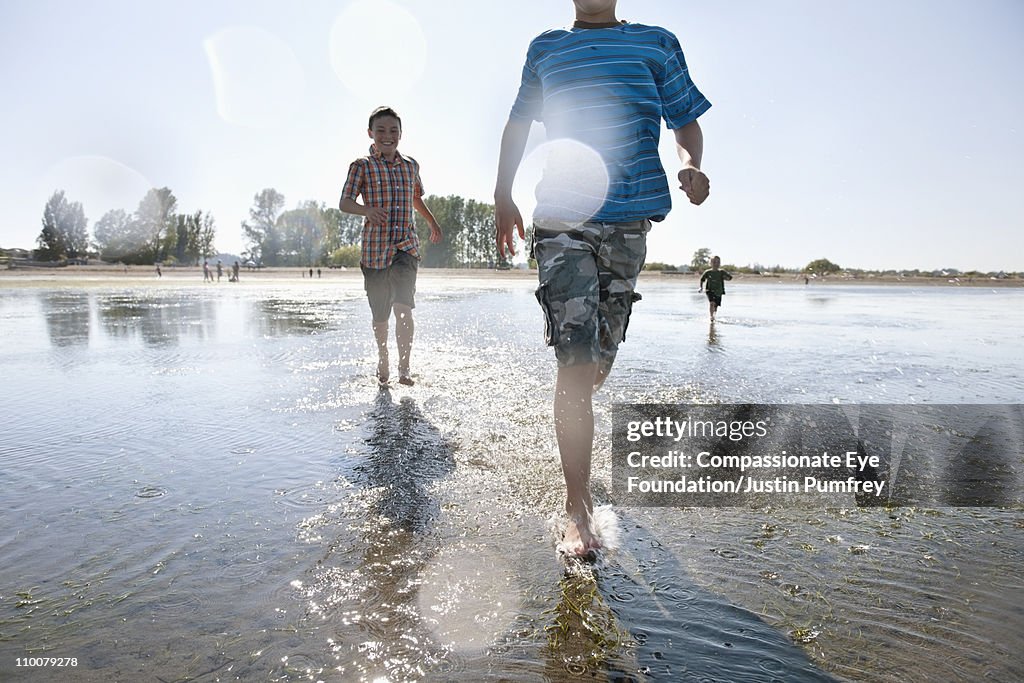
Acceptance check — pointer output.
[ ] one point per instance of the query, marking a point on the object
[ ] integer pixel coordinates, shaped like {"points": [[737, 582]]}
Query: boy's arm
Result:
{"points": [[726, 275], [506, 213], [375, 215], [423, 210], [703, 277], [690, 147]]}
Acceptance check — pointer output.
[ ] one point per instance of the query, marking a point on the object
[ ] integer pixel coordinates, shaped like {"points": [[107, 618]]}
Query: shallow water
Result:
{"points": [[205, 484]]}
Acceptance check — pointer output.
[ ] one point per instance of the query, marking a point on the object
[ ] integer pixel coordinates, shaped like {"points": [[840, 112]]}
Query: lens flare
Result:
{"points": [[98, 182], [468, 597], [378, 50], [257, 80], [571, 182]]}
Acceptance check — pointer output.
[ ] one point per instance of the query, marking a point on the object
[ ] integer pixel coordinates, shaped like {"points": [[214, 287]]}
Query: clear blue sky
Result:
{"points": [[876, 134]]}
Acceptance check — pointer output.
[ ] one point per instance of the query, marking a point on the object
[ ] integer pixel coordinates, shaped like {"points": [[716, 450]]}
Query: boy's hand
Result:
{"points": [[506, 217], [695, 184], [375, 215], [435, 233]]}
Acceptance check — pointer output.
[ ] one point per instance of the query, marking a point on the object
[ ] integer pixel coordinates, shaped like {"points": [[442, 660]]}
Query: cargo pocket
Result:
{"points": [[630, 300], [550, 327]]}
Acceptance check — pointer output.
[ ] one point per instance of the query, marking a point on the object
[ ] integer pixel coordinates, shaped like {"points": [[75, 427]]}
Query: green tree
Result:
{"points": [[701, 259], [343, 228], [448, 211], [821, 266], [468, 233], [118, 238], [260, 231], [206, 236], [156, 223], [303, 233], [65, 229], [347, 256], [195, 234]]}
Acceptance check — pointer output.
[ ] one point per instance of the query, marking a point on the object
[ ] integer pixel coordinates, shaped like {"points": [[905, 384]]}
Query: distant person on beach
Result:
{"points": [[715, 287], [159, 273], [207, 276], [606, 84], [390, 187], [220, 269], [234, 271]]}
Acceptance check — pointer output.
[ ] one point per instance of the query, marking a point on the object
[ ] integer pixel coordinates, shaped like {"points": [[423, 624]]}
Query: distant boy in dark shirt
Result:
{"points": [[715, 279]]}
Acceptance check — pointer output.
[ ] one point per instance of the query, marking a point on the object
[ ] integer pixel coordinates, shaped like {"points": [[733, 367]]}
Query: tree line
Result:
{"points": [[315, 234], [154, 233], [311, 234]]}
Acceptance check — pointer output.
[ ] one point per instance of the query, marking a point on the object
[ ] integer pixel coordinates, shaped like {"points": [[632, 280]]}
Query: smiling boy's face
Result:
{"points": [[386, 132]]}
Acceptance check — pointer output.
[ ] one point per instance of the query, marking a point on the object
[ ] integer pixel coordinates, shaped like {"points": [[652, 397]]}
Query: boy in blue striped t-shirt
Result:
{"points": [[601, 89]]}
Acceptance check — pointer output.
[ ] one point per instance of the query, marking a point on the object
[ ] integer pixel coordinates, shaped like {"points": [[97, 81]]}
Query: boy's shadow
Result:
{"points": [[406, 454], [364, 586], [641, 616]]}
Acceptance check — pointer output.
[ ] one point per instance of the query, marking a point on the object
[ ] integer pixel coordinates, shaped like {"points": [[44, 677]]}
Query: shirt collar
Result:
{"points": [[600, 24]]}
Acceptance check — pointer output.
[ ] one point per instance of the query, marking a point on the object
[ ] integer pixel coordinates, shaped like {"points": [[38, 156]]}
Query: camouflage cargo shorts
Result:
{"points": [[588, 286]]}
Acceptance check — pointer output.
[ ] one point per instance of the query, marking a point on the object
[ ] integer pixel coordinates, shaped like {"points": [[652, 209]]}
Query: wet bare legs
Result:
{"points": [[574, 428], [380, 335], [404, 329]]}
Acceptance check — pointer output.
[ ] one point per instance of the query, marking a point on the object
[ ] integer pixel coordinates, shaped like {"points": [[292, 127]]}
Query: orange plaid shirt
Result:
{"points": [[392, 186]]}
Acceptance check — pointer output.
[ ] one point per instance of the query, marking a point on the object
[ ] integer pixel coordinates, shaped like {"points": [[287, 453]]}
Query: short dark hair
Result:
{"points": [[384, 111]]}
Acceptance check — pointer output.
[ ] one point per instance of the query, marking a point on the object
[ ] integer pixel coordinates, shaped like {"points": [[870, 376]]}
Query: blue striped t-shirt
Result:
{"points": [[609, 88]]}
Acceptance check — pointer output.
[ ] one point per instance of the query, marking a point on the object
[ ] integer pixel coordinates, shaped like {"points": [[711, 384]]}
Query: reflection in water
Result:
{"points": [[279, 317], [712, 335], [162, 321], [158, 321], [642, 615], [371, 603], [67, 317]]}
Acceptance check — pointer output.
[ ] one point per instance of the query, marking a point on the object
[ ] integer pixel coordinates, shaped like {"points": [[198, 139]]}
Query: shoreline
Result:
{"points": [[136, 275]]}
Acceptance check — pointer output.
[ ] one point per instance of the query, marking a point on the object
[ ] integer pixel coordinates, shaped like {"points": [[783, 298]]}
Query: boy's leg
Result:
{"points": [[569, 295], [380, 336], [402, 276], [404, 329], [378, 294], [574, 429]]}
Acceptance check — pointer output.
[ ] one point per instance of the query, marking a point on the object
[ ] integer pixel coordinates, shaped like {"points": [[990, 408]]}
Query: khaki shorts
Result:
{"points": [[588, 286], [395, 284]]}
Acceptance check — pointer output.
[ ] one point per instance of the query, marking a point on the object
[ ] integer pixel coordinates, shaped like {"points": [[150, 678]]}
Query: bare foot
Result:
{"points": [[580, 537], [404, 377], [382, 371]]}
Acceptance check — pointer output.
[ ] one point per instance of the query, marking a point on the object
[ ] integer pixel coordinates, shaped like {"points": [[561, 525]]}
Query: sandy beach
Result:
{"points": [[106, 275]]}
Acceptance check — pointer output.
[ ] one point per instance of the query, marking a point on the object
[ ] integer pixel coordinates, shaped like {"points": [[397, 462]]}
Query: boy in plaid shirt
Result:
{"points": [[390, 186]]}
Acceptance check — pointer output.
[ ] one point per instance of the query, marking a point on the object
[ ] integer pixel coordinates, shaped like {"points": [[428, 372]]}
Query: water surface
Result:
{"points": [[204, 483]]}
